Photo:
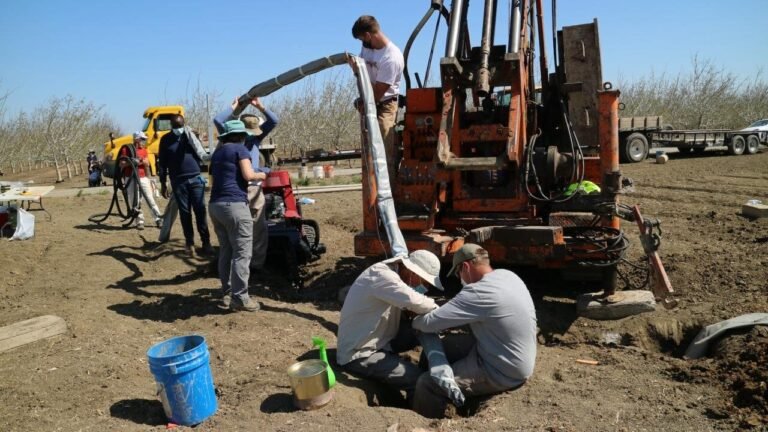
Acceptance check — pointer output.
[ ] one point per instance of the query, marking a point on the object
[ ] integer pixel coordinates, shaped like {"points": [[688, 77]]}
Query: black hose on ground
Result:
{"points": [[120, 187]]}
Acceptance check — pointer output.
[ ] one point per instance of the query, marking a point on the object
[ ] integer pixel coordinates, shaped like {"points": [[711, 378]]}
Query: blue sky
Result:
{"points": [[128, 55]]}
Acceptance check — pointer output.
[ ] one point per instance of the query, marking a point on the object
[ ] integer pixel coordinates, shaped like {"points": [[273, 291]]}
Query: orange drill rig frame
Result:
{"points": [[487, 157]]}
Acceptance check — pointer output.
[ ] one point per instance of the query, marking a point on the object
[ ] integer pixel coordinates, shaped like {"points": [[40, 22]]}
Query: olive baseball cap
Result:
{"points": [[465, 253]]}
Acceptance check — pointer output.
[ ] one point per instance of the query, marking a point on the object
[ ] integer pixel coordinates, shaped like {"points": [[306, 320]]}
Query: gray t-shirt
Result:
{"points": [[500, 312]]}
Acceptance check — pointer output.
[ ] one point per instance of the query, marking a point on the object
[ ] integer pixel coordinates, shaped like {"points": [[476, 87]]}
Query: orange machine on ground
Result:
{"points": [[489, 154]]}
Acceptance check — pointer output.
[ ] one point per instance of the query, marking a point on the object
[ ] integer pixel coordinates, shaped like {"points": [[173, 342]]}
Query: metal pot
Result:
{"points": [[309, 381]]}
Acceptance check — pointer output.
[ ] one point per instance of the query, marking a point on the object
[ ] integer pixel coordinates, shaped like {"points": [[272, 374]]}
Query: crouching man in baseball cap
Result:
{"points": [[500, 353], [368, 339]]}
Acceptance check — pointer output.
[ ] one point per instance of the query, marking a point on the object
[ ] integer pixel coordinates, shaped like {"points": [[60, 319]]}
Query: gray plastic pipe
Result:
{"points": [[273, 84]]}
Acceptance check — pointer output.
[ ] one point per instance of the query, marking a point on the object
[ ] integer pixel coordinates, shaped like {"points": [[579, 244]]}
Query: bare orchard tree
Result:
{"points": [[341, 122], [200, 105], [317, 116], [63, 125], [707, 97]]}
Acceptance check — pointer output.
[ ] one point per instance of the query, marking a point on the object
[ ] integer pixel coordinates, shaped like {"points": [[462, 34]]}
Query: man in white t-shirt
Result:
{"points": [[385, 64]]}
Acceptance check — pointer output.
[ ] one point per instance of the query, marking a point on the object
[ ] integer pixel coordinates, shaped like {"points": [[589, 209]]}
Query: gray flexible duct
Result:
{"points": [[273, 84], [383, 190]]}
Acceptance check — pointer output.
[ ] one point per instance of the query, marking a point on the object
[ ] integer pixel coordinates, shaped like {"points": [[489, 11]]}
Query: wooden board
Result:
{"points": [[31, 330]]}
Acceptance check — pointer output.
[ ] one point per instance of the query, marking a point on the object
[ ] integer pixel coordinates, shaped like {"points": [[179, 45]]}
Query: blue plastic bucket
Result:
{"points": [[184, 381]]}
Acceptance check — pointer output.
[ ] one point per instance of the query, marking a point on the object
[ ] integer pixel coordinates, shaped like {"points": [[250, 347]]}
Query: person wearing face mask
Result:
{"points": [[501, 353], [370, 334], [256, 200], [179, 158], [231, 171], [385, 64]]}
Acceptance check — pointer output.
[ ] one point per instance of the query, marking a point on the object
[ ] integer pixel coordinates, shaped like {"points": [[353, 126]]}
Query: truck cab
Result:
{"points": [[157, 122]]}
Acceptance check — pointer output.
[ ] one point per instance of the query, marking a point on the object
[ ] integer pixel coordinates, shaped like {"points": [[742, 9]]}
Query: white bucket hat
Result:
{"points": [[424, 263]]}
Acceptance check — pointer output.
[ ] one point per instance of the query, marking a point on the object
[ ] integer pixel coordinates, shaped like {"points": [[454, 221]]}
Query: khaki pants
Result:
{"points": [[386, 113], [256, 203]]}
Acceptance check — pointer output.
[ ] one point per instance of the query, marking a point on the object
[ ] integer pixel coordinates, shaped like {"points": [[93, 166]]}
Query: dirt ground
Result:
{"points": [[120, 291]]}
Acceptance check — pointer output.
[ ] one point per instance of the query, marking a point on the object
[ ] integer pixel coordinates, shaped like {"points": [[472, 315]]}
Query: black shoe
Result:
{"points": [[207, 250]]}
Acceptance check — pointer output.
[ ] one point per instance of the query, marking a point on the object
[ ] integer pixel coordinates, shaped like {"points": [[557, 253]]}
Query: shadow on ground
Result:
{"points": [[174, 307], [140, 411], [161, 306], [320, 288]]}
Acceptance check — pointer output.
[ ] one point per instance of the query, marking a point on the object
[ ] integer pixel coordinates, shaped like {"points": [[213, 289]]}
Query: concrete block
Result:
{"points": [[754, 210], [620, 305]]}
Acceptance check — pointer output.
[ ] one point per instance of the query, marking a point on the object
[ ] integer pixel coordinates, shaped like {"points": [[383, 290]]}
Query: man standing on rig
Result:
{"points": [[385, 65]]}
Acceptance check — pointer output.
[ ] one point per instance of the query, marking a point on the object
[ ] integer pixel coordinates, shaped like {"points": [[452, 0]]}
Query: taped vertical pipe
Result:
{"points": [[457, 9], [483, 85], [384, 200], [514, 31]]}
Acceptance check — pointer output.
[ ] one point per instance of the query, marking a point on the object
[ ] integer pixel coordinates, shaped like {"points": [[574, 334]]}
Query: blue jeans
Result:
{"points": [[189, 193]]}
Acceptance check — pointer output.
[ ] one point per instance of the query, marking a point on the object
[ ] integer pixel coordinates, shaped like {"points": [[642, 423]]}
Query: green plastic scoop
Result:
{"points": [[320, 344]]}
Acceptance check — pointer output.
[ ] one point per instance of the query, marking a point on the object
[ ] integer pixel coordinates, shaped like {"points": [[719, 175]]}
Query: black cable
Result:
{"points": [[121, 185], [431, 52]]}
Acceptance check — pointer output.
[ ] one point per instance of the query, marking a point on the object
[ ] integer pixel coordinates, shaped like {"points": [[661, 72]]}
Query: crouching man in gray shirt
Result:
{"points": [[499, 310], [370, 336]]}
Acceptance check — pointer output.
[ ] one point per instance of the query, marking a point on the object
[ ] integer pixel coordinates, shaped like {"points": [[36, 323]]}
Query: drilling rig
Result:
{"points": [[493, 154]]}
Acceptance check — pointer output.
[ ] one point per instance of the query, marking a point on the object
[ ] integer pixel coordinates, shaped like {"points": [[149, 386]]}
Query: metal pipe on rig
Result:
{"points": [[542, 48], [457, 11], [514, 32], [608, 131], [483, 84]]}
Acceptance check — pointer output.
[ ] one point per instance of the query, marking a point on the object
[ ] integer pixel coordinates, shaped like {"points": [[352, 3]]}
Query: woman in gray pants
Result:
{"points": [[231, 170]]}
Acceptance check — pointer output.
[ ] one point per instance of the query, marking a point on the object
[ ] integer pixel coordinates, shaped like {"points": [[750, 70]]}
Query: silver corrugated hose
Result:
{"points": [[273, 84], [383, 189]]}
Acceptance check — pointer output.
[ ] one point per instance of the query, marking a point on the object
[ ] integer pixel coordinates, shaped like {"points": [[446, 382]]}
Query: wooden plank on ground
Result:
{"points": [[31, 330]]}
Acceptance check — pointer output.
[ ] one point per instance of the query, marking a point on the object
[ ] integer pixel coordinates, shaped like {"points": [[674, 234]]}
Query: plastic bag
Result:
{"points": [[25, 225]]}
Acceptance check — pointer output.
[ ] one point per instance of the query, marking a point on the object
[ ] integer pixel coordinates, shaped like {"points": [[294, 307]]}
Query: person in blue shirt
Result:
{"points": [[231, 170], [178, 159], [256, 199]]}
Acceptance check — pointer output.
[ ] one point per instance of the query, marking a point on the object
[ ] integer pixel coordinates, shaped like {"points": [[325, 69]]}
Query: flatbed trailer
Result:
{"points": [[697, 141]]}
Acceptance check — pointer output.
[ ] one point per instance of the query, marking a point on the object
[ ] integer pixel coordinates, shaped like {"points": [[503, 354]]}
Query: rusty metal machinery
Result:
{"points": [[487, 157]]}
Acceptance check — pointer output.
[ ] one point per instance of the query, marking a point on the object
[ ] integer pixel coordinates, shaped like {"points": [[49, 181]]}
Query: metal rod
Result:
{"points": [[457, 10], [542, 48], [514, 31], [483, 84]]}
